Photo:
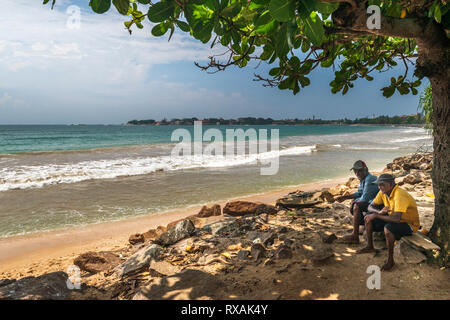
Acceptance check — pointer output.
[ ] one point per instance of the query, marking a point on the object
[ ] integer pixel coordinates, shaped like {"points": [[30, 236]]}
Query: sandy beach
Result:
{"points": [[37, 253]]}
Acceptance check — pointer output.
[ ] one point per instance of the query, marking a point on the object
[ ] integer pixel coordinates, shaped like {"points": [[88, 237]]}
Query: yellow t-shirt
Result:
{"points": [[400, 201]]}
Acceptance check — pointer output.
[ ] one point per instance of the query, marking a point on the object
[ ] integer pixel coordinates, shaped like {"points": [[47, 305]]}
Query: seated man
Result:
{"points": [[361, 199], [398, 218]]}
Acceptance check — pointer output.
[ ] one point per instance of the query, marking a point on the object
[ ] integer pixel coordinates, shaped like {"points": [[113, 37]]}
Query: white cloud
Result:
{"points": [[62, 71]]}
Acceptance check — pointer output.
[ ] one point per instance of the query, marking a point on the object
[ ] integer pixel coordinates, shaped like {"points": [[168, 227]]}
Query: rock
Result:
{"points": [[205, 212], [193, 218], [265, 209], [186, 285], [327, 236], [266, 238], [258, 251], [320, 254], [181, 230], [95, 262], [243, 255], [283, 252], [50, 286], [139, 260], [136, 238], [154, 233], [403, 252], [5, 282], [163, 268], [219, 227], [242, 208], [338, 190], [299, 200], [413, 178]]}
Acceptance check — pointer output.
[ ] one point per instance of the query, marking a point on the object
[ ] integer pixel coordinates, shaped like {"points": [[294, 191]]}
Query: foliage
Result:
{"points": [[426, 105], [297, 35]]}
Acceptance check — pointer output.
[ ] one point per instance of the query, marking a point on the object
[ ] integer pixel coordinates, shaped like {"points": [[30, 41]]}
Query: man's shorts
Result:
{"points": [[399, 229]]}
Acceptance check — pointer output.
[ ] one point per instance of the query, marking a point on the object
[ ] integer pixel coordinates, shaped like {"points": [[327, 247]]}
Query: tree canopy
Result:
{"points": [[298, 36]]}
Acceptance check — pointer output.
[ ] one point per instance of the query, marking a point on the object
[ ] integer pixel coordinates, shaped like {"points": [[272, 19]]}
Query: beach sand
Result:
{"points": [[44, 252]]}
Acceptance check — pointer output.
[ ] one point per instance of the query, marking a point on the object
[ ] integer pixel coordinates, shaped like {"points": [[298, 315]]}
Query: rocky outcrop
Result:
{"points": [[242, 208], [181, 230], [208, 212], [139, 260], [95, 262]]}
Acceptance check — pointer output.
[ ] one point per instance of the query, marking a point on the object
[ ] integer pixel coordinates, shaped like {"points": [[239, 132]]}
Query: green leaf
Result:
{"points": [[294, 62], [122, 6], [263, 19], [232, 10], [274, 72], [313, 29], [326, 8], [305, 7], [160, 11], [183, 26], [281, 43], [437, 14], [282, 10], [388, 91], [159, 30], [268, 28], [100, 6]]}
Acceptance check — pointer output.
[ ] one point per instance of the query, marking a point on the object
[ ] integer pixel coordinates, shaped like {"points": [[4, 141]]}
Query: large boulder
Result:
{"points": [[139, 260], [242, 208], [51, 286], [95, 262], [183, 229], [299, 200], [208, 212]]}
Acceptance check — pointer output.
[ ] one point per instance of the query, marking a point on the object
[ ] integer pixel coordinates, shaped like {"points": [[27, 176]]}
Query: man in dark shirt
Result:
{"points": [[361, 199]]}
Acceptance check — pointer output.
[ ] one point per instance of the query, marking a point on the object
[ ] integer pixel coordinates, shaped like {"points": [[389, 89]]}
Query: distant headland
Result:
{"points": [[408, 120]]}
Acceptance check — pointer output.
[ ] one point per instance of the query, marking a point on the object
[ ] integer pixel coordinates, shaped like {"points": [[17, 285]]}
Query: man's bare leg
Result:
{"points": [[390, 239], [354, 237], [369, 247]]}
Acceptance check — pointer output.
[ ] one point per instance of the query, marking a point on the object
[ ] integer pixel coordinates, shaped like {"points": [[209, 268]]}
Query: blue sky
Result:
{"points": [[51, 74]]}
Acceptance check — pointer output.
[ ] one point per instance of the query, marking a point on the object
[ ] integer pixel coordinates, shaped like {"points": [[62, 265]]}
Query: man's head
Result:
{"points": [[360, 169], [386, 182]]}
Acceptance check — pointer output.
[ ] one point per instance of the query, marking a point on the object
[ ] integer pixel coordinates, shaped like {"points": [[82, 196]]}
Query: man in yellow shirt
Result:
{"points": [[398, 217]]}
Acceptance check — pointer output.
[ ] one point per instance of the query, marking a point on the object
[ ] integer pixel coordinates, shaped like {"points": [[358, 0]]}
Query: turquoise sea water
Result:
{"points": [[54, 177], [39, 138]]}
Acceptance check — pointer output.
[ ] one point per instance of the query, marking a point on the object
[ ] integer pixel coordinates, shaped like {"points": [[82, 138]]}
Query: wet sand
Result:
{"points": [[25, 255]]}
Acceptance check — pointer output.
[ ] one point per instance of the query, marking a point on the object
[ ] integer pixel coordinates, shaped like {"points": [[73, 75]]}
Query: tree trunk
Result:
{"points": [[434, 63], [440, 231]]}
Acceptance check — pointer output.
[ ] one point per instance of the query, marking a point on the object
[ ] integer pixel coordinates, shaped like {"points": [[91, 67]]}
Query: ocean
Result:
{"points": [[59, 176]]}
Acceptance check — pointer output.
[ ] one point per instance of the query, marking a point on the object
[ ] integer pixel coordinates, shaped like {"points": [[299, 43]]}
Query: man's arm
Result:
{"points": [[395, 217]]}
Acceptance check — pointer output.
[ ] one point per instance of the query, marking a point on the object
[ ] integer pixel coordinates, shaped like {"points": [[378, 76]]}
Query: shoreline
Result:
{"points": [[18, 253]]}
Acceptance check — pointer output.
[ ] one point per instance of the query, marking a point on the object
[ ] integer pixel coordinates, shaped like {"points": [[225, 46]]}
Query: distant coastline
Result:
{"points": [[414, 120]]}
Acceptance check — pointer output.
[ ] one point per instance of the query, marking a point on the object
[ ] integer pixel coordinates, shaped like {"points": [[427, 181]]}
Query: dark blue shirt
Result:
{"points": [[367, 190]]}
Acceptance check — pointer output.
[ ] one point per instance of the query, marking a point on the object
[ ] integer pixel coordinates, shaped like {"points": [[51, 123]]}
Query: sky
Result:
{"points": [[53, 73]]}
